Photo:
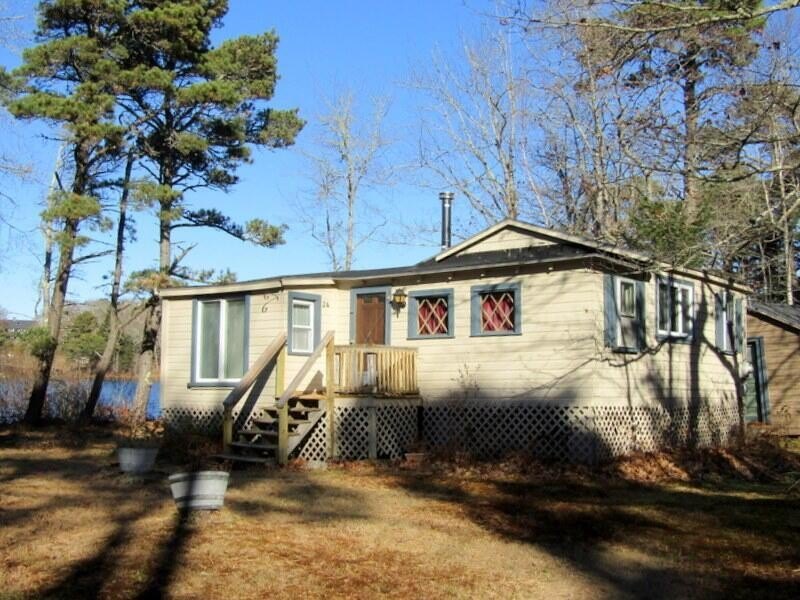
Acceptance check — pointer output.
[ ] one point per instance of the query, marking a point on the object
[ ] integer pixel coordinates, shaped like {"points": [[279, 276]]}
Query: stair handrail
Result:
{"points": [[270, 353], [290, 390], [249, 378]]}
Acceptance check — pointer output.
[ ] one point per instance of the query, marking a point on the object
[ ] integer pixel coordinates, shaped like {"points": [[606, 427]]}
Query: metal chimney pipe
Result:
{"points": [[447, 210]]}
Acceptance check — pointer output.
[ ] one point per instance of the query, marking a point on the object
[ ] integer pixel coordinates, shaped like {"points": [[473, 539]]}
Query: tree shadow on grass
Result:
{"points": [[640, 542], [108, 570]]}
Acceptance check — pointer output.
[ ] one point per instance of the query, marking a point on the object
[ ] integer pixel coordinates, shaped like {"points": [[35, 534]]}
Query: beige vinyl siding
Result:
{"points": [[559, 357], [267, 318], [669, 374], [556, 341], [506, 239]]}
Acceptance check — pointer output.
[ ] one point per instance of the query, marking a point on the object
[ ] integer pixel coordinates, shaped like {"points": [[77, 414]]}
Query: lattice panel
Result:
{"points": [[315, 446], [396, 430], [208, 420], [352, 432], [574, 433], [490, 430]]}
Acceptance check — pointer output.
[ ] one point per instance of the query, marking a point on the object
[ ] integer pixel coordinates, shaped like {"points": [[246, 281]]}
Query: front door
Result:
{"points": [[370, 318]]}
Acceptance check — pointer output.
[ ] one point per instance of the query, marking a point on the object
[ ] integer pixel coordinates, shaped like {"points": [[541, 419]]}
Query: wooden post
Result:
{"points": [[330, 397], [283, 411], [283, 434], [227, 428]]}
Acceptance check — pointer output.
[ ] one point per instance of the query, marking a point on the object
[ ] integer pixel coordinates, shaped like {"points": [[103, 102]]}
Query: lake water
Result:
{"points": [[115, 393]]}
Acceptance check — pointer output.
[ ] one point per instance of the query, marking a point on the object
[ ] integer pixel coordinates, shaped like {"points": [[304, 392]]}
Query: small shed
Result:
{"points": [[773, 348]]}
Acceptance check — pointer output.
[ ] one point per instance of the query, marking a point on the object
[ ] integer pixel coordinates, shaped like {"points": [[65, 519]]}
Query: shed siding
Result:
{"points": [[782, 358]]}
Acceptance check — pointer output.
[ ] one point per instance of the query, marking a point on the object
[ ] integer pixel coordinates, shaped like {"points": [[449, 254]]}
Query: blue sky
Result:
{"points": [[368, 47]]}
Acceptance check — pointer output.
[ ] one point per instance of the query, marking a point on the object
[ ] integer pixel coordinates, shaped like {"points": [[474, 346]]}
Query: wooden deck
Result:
{"points": [[375, 370]]}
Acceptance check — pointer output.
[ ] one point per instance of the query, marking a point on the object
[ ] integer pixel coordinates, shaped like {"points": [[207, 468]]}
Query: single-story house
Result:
{"points": [[773, 349], [519, 338]]}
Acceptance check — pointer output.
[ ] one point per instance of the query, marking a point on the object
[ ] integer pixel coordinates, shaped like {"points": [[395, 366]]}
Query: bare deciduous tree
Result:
{"points": [[349, 159], [475, 133]]}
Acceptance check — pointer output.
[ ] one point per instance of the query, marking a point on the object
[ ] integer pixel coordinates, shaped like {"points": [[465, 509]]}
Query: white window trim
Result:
{"points": [[223, 322], [620, 316], [727, 342], [309, 327], [679, 317], [620, 281]]}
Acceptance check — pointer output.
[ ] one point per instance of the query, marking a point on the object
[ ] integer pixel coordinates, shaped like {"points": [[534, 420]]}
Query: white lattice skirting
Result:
{"points": [[575, 433], [560, 433]]}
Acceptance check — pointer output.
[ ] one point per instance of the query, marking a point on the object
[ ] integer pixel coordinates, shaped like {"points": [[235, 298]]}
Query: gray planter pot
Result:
{"points": [[136, 460], [203, 490]]}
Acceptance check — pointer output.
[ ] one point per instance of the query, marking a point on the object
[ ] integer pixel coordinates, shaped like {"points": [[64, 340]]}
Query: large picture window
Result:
{"points": [[496, 310], [220, 340], [430, 314], [674, 309]]}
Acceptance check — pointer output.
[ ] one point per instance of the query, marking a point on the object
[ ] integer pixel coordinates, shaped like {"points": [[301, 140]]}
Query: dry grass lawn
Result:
{"points": [[71, 526]]}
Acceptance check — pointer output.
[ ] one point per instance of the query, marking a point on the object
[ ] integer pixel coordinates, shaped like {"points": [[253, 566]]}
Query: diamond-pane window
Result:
{"points": [[432, 313], [497, 312]]}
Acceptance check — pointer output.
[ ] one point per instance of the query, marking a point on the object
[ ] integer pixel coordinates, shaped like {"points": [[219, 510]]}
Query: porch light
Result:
{"points": [[399, 298]]}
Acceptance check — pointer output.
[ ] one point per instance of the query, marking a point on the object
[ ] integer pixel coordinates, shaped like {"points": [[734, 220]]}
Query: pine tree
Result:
{"points": [[197, 110], [68, 80]]}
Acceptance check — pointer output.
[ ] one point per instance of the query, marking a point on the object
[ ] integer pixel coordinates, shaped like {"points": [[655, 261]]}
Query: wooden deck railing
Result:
{"points": [[384, 370]]}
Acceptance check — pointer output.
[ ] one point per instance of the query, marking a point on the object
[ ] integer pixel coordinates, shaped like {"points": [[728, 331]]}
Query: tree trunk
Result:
{"points": [[152, 324], [36, 402], [691, 159], [102, 366], [144, 367]]}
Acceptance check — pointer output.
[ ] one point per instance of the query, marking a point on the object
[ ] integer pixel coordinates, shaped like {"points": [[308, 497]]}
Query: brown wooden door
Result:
{"points": [[371, 318]]}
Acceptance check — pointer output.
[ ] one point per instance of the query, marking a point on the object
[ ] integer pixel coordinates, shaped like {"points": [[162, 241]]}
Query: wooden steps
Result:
{"points": [[261, 460], [264, 432], [259, 442]]}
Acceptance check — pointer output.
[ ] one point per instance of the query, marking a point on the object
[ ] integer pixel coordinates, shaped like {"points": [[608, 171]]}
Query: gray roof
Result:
{"points": [[497, 258], [782, 313]]}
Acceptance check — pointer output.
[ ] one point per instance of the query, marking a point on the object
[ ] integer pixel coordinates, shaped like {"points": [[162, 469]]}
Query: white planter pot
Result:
{"points": [[136, 460], [203, 490]]}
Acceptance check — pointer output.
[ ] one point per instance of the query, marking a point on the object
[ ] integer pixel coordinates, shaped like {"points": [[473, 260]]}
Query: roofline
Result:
{"points": [[356, 276], [771, 318], [328, 280], [556, 236]]}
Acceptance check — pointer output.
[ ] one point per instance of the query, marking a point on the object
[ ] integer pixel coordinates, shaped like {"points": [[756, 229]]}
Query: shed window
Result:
{"points": [[220, 340], [675, 308], [496, 310]]}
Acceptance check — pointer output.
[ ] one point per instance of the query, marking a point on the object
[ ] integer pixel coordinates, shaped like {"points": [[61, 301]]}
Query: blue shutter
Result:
{"points": [[739, 327], [610, 310], [641, 326], [719, 318]]}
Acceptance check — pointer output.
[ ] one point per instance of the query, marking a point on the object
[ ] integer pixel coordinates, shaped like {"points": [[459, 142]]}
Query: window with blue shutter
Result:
{"points": [[625, 329]]}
